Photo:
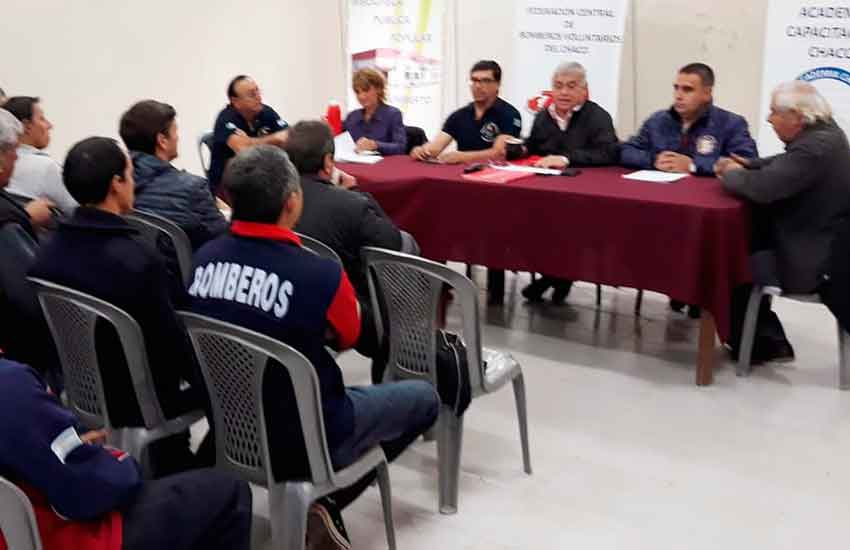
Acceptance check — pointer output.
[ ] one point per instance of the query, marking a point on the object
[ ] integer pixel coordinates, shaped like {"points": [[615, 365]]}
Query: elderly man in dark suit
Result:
{"points": [[801, 199]]}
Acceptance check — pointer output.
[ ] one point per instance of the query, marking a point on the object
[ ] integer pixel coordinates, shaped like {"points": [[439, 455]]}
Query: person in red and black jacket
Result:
{"points": [[260, 277], [87, 496]]}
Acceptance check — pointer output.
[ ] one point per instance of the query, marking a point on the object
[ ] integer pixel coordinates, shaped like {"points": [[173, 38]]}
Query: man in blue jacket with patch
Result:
{"points": [[690, 136]]}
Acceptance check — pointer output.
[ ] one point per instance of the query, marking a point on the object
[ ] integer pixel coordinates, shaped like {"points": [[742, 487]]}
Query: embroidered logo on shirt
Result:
{"points": [[706, 145], [489, 132]]}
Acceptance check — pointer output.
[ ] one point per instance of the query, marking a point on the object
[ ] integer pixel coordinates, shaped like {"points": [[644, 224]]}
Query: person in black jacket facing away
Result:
{"points": [[97, 252], [571, 131], [344, 219], [149, 129]]}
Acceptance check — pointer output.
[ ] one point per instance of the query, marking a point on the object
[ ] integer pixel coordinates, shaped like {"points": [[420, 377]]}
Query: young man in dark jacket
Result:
{"points": [[87, 496], [97, 252], [259, 277], [344, 219], [149, 129], [571, 131]]}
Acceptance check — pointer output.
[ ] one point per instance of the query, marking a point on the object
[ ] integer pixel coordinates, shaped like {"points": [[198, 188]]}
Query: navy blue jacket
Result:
{"points": [[716, 133], [177, 195], [259, 277], [85, 483], [101, 254]]}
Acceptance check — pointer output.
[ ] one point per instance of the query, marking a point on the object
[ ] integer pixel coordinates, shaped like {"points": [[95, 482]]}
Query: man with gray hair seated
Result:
{"points": [[571, 131], [801, 199]]}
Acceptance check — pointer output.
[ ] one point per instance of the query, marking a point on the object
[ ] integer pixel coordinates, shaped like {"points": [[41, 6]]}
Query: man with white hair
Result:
{"points": [[800, 198], [572, 131]]}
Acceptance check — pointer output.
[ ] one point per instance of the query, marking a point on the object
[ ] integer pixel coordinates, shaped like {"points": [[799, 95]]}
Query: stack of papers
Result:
{"points": [[527, 169], [345, 151], [654, 176]]}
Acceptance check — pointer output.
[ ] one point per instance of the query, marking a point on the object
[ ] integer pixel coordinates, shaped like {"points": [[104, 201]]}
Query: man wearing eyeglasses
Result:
{"points": [[482, 128], [245, 122]]}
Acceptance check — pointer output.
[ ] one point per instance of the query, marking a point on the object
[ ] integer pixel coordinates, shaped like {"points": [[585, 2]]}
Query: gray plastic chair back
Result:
{"points": [[318, 248], [72, 317], [153, 227], [17, 519], [411, 287], [205, 146], [233, 361]]}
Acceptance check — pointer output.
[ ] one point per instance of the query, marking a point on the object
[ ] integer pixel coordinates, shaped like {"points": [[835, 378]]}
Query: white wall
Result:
{"points": [[90, 59]]}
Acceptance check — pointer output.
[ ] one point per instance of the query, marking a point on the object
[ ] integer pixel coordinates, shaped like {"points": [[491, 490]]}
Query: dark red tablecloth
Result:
{"points": [[687, 239]]}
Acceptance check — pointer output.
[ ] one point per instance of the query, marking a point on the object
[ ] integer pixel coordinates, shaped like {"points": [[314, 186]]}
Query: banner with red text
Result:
{"points": [[404, 40]]}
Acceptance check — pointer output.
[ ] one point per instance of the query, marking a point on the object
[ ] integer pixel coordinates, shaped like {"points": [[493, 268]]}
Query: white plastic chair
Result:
{"points": [[411, 287], [17, 519], [234, 361], [153, 227], [72, 317]]}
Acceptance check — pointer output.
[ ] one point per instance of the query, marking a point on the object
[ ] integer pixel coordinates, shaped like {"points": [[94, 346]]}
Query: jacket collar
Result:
{"points": [[702, 120], [95, 219], [146, 165], [315, 178], [264, 231], [25, 149]]}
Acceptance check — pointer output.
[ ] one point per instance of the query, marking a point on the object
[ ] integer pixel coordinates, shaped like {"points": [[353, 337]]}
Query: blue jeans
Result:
{"points": [[391, 415]]}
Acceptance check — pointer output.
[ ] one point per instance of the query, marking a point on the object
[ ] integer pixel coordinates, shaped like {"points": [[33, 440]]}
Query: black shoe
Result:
{"points": [[534, 292], [676, 305], [562, 290], [694, 312], [325, 529]]}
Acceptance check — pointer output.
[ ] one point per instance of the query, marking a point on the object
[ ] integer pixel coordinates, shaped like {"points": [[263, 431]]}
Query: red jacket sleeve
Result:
{"points": [[344, 313]]}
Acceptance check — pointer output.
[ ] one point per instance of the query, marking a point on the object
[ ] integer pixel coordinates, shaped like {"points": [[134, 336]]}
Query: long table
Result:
{"points": [[687, 239]]}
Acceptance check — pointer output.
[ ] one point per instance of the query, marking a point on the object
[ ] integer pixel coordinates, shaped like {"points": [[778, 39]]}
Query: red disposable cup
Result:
{"points": [[334, 116]]}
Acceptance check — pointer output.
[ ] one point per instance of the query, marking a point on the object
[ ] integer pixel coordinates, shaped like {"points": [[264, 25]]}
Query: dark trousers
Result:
{"points": [[198, 510], [763, 262]]}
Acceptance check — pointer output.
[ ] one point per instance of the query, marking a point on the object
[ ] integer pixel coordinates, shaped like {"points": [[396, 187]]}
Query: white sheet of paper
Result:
{"points": [[344, 151], [528, 169], [654, 176]]}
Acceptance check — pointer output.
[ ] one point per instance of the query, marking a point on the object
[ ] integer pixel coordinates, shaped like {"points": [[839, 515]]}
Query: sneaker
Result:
{"points": [[560, 293], [676, 305], [694, 312], [325, 529]]}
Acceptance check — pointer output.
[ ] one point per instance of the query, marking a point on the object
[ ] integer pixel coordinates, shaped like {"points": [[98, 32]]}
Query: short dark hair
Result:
{"points": [[308, 143], [143, 122], [488, 65], [259, 180], [90, 166], [21, 106], [231, 88], [703, 71]]}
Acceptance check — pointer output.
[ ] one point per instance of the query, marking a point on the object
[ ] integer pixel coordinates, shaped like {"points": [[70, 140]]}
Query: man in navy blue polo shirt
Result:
{"points": [[481, 128], [246, 121], [258, 276]]}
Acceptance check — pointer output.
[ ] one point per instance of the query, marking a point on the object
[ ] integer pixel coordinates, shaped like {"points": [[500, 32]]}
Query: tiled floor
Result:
{"points": [[627, 451]]}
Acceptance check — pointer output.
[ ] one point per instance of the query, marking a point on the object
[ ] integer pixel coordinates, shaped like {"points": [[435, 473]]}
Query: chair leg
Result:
{"points": [[598, 295], [522, 419], [449, 442], [843, 367], [638, 302], [387, 503], [748, 336], [288, 508]]}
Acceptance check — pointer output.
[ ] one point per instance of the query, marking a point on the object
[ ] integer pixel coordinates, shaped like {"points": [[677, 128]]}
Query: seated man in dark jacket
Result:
{"points": [[343, 219], [801, 198], [97, 252], [86, 496], [149, 129], [690, 136], [291, 295], [571, 131]]}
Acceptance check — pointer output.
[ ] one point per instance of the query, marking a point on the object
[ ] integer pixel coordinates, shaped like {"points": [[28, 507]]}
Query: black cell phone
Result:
{"points": [[570, 172], [477, 167]]}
